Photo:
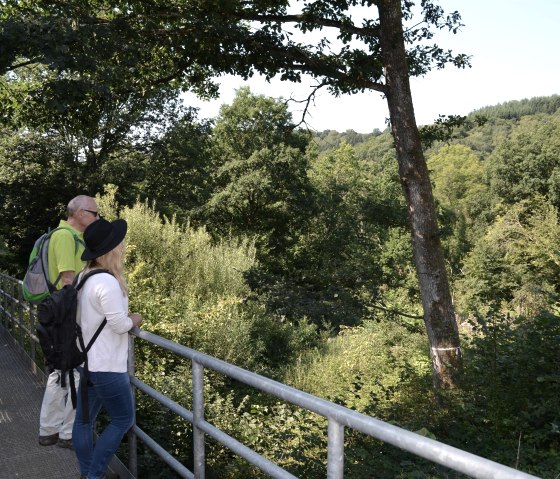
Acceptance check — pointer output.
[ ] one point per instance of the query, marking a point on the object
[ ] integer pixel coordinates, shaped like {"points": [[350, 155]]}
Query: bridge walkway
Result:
{"points": [[21, 393]]}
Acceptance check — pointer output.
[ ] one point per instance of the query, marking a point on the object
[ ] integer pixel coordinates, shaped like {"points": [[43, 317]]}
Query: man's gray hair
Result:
{"points": [[76, 204]]}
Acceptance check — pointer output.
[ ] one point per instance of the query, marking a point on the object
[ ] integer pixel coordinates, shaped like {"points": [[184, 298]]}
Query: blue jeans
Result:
{"points": [[112, 392]]}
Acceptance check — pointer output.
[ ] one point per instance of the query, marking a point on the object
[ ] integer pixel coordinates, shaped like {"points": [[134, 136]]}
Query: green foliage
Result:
{"points": [[481, 139], [191, 289], [49, 162], [462, 194], [383, 386], [260, 187], [515, 267], [181, 277], [379, 150], [514, 110], [443, 127], [179, 169], [526, 163], [33, 168], [327, 225], [361, 214], [344, 190], [333, 272], [512, 375], [291, 437], [131, 45], [330, 139]]}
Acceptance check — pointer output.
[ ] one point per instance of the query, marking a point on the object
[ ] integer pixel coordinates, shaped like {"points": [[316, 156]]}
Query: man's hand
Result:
{"points": [[136, 319]]}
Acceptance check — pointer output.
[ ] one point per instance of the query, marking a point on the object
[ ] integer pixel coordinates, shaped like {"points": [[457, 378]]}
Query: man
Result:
{"points": [[57, 413]]}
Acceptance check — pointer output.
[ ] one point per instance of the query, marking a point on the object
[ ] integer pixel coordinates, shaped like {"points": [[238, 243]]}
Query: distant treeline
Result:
{"points": [[513, 110]]}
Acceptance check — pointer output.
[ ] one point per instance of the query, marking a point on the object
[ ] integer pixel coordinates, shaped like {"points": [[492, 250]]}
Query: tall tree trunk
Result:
{"points": [[439, 314]]}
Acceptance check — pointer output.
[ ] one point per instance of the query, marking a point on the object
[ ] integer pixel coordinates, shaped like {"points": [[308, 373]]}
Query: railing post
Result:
{"points": [[198, 418], [17, 324], [335, 451], [21, 320], [3, 288], [132, 445], [31, 312], [5, 301]]}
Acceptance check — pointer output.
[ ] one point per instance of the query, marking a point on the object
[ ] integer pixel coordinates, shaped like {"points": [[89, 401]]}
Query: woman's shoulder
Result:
{"points": [[97, 276], [104, 286]]}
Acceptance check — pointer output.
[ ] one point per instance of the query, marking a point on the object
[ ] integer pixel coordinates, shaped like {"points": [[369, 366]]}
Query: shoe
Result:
{"points": [[65, 443], [48, 440]]}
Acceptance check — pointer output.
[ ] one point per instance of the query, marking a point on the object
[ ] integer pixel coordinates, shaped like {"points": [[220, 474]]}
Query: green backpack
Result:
{"points": [[36, 285]]}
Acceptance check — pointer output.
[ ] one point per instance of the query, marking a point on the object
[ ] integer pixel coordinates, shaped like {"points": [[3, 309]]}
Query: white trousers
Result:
{"points": [[57, 413]]}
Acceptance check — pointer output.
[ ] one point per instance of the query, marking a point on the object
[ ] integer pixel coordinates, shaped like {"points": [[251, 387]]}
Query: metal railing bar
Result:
{"points": [[427, 448], [20, 324], [5, 294], [166, 457], [222, 437], [245, 452], [23, 327], [24, 304], [161, 398], [32, 342], [431, 449]]}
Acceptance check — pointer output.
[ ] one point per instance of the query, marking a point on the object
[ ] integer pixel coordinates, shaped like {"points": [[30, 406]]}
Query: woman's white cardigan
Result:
{"points": [[101, 297]]}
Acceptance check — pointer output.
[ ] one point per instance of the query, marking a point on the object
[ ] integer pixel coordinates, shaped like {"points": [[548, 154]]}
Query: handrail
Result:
{"points": [[23, 321], [338, 417]]}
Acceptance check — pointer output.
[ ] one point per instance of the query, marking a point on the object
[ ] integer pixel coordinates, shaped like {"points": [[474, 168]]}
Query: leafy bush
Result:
{"points": [[192, 290], [510, 410], [375, 369]]}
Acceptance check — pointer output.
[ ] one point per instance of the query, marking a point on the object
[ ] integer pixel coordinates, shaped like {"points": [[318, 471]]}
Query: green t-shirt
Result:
{"points": [[63, 255]]}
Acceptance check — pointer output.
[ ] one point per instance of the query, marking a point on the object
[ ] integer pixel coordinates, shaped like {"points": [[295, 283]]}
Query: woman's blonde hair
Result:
{"points": [[112, 261]]}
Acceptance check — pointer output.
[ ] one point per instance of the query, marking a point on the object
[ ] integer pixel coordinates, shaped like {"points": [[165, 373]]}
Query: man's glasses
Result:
{"points": [[94, 213]]}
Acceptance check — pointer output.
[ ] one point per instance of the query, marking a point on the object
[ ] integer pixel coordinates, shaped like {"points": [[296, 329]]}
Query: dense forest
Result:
{"points": [[287, 252], [409, 274]]}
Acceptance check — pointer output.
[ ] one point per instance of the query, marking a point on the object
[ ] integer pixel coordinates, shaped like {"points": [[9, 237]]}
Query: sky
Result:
{"points": [[514, 47]]}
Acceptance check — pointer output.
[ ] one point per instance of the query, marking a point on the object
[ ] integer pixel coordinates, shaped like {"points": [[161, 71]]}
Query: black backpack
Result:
{"points": [[59, 335]]}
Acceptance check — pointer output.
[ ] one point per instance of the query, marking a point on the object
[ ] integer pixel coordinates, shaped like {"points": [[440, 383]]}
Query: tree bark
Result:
{"points": [[439, 313]]}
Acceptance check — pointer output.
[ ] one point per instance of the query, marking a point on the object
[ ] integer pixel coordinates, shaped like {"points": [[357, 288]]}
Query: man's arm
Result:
{"points": [[66, 277], [62, 256]]}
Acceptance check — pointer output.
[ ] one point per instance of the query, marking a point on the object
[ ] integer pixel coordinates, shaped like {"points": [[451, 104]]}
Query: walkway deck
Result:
{"points": [[21, 393]]}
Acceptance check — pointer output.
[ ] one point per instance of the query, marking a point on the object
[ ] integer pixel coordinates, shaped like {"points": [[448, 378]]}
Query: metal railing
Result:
{"points": [[338, 417], [18, 317]]}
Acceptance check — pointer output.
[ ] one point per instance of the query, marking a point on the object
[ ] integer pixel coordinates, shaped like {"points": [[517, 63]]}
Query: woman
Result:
{"points": [[102, 296]]}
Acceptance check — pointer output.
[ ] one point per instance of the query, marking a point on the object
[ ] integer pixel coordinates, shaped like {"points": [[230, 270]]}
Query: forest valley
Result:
{"points": [[288, 253], [411, 274]]}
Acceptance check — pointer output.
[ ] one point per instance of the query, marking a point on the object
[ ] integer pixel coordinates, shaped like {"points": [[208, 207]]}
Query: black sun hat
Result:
{"points": [[102, 236]]}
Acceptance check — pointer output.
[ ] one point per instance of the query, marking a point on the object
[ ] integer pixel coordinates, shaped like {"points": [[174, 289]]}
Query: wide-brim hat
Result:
{"points": [[102, 236]]}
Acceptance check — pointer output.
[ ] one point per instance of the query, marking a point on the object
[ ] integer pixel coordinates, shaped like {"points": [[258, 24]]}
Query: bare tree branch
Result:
{"points": [[307, 102]]}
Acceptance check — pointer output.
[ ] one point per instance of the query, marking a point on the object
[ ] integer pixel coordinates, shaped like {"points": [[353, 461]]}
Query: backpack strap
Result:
{"points": [[78, 282], [85, 374], [43, 251], [82, 277], [77, 242]]}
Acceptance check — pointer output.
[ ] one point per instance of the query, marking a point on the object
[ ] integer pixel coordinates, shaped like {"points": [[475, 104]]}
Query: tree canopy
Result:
{"points": [[135, 45], [105, 50]]}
